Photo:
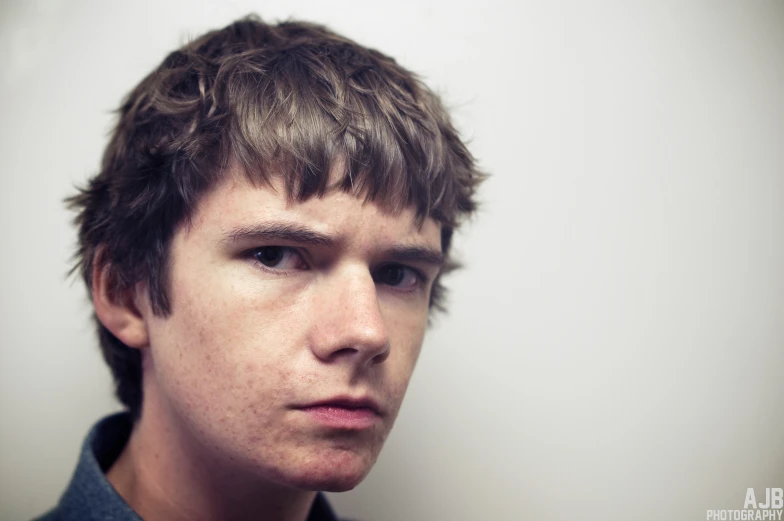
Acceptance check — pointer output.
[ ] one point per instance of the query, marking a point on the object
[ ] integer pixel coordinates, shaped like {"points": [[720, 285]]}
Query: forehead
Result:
{"points": [[236, 203]]}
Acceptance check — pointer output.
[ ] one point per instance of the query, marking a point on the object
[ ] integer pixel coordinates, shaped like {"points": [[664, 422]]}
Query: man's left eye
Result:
{"points": [[398, 276], [279, 258]]}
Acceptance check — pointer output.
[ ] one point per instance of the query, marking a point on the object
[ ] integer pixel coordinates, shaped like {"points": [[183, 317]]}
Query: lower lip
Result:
{"points": [[343, 418]]}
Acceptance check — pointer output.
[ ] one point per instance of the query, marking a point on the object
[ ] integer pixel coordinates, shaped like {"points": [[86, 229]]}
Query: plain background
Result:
{"points": [[615, 346]]}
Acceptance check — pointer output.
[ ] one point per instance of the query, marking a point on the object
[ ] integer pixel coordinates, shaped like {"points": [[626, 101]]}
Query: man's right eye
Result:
{"points": [[280, 258]]}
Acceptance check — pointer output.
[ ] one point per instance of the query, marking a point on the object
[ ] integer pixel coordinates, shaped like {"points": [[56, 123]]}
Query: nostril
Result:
{"points": [[380, 358], [346, 351]]}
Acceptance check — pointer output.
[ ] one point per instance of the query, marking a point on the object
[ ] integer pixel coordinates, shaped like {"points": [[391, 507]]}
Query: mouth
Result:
{"points": [[344, 412]]}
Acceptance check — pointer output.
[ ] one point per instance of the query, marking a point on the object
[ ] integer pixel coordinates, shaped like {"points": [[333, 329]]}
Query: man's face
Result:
{"points": [[294, 330]]}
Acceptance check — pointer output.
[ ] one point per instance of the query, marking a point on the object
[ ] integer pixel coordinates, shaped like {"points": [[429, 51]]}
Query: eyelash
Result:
{"points": [[421, 278], [252, 254]]}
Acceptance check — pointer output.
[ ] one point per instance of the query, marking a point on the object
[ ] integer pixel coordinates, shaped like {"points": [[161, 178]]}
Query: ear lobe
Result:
{"points": [[117, 310]]}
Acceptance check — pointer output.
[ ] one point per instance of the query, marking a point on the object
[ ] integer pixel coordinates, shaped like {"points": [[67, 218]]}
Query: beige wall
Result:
{"points": [[616, 345]]}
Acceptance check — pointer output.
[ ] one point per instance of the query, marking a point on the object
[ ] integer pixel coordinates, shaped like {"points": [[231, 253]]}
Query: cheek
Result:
{"points": [[220, 350], [407, 331]]}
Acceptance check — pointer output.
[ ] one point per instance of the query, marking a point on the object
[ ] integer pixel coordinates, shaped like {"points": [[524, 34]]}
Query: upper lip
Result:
{"points": [[347, 402]]}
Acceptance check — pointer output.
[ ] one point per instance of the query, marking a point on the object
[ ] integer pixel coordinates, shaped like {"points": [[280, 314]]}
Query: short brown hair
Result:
{"points": [[292, 99]]}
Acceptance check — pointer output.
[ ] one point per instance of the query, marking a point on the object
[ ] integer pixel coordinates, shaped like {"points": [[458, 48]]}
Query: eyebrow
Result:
{"points": [[287, 232], [416, 254], [298, 234]]}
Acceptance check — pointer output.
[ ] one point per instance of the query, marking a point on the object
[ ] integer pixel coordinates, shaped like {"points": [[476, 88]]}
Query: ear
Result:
{"points": [[117, 310]]}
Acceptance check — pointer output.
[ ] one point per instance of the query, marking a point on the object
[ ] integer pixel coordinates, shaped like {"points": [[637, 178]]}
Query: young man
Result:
{"points": [[263, 247]]}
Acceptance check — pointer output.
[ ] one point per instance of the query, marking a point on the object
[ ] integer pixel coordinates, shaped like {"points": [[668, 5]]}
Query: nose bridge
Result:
{"points": [[351, 320]]}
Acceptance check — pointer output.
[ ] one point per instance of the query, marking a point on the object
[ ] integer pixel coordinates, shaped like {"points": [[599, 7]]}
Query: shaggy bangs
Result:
{"points": [[302, 102]]}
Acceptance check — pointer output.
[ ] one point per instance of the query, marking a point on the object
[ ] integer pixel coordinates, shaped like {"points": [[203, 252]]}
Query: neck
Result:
{"points": [[164, 475]]}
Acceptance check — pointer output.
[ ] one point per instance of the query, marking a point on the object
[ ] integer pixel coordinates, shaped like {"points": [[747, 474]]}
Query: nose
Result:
{"points": [[347, 321]]}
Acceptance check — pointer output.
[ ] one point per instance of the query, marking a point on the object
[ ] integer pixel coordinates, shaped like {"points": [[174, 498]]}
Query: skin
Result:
{"points": [[256, 333]]}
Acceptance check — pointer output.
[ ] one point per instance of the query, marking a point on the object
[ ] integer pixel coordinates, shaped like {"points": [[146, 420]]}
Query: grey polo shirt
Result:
{"points": [[90, 496]]}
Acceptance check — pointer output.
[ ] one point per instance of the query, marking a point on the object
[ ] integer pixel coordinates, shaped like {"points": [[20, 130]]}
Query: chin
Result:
{"points": [[331, 473], [341, 484]]}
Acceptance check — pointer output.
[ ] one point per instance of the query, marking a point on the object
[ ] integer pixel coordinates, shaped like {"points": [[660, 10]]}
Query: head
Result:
{"points": [[269, 228]]}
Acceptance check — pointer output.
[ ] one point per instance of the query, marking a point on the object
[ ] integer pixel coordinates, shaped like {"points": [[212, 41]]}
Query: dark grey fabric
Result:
{"points": [[90, 496]]}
